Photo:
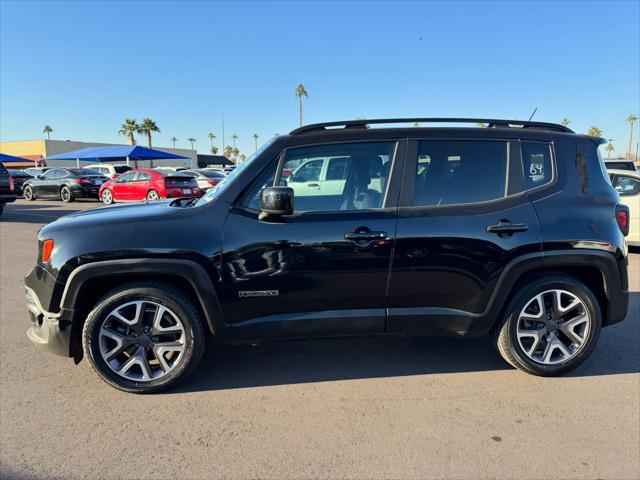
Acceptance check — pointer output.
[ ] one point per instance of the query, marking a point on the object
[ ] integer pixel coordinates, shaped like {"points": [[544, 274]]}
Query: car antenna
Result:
{"points": [[534, 112]]}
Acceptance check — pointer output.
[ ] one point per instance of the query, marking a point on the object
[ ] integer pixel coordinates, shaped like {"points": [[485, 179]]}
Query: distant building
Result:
{"points": [[213, 161], [38, 149]]}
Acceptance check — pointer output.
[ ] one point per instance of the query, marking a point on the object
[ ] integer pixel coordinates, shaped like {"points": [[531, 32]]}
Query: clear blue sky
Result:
{"points": [[83, 67]]}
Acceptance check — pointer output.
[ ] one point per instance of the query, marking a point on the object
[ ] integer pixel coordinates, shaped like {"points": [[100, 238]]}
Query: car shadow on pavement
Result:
{"points": [[281, 363], [40, 212]]}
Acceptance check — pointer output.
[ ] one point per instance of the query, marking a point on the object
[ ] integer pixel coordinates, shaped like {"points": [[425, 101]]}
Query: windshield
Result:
{"points": [[215, 191]]}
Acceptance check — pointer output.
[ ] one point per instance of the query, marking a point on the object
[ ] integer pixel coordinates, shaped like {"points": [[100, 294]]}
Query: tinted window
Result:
{"points": [[455, 172], [355, 190], [620, 166], [536, 161], [626, 185], [121, 168], [83, 171]]}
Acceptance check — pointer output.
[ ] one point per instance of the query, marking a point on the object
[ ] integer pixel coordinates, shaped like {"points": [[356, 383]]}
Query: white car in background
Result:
{"points": [[627, 184], [111, 170]]}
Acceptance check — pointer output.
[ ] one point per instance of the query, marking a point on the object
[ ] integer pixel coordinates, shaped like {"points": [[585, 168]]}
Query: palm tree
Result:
{"points": [[564, 122], [174, 140], [211, 137], [191, 140], [594, 131], [129, 128], [228, 151], [481, 125], [236, 152], [255, 138], [609, 148], [214, 150], [301, 92], [234, 137], [148, 127], [47, 129], [631, 119], [242, 157]]}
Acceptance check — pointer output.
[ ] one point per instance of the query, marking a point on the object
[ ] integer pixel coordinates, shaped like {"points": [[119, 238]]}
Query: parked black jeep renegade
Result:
{"points": [[512, 230]]}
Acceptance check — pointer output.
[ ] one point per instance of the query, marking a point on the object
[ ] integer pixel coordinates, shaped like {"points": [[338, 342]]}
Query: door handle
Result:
{"points": [[366, 236], [504, 228], [317, 185]]}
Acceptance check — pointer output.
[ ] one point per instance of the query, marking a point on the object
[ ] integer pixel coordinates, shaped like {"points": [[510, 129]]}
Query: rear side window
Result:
{"points": [[536, 160], [142, 176], [450, 172]]}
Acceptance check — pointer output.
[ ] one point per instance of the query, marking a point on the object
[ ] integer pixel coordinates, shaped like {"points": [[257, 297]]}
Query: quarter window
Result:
{"points": [[463, 171], [536, 160]]}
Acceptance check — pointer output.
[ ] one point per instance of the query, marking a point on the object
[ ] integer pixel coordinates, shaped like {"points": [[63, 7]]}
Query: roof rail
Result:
{"points": [[490, 122]]}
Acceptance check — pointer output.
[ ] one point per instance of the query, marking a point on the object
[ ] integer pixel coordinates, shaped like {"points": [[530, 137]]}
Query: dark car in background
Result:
{"points": [[66, 184], [6, 188], [19, 177]]}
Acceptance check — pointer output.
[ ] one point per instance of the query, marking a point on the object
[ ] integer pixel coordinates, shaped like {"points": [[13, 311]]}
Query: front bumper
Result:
{"points": [[52, 331]]}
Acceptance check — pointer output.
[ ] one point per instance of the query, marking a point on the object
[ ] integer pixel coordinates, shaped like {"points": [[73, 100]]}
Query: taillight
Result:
{"points": [[47, 248], [213, 182], [83, 180], [12, 185], [622, 217]]}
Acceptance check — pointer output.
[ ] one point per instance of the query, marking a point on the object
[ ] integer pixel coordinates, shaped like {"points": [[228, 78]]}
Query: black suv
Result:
{"points": [[7, 195], [512, 230]]}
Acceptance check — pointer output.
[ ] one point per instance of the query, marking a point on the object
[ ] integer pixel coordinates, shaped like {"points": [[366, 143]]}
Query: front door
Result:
{"points": [[322, 271], [463, 217], [121, 186]]}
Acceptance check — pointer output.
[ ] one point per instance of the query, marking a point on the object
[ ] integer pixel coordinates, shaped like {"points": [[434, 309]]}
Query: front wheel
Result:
{"points": [[550, 326], [144, 338], [152, 195], [27, 193], [65, 194]]}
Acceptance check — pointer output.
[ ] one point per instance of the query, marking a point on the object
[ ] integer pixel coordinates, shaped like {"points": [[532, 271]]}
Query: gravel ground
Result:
{"points": [[365, 408]]}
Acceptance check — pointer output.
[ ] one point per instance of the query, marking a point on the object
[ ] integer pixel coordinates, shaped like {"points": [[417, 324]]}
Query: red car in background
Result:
{"points": [[143, 184]]}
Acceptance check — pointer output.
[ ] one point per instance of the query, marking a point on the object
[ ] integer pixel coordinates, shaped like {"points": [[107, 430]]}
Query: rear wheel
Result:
{"points": [[65, 194], [550, 326], [152, 195], [107, 197], [27, 193], [144, 338]]}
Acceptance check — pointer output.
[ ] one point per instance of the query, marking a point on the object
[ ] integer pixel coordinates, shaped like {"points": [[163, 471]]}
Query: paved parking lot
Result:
{"points": [[371, 408]]}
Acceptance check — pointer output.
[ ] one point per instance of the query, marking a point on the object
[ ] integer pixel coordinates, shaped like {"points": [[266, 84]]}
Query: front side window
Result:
{"points": [[536, 161], [626, 186], [331, 178], [127, 177], [142, 177], [450, 172]]}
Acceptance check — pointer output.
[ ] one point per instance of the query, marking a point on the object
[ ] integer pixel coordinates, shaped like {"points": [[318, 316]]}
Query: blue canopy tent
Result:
{"points": [[11, 161], [113, 154]]}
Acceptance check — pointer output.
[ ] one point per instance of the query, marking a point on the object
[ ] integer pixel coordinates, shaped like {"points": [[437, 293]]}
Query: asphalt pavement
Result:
{"points": [[352, 408]]}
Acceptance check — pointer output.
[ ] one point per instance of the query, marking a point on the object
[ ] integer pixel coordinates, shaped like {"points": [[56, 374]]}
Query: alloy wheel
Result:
{"points": [[142, 340], [65, 194], [27, 193], [553, 327], [153, 195], [107, 197]]}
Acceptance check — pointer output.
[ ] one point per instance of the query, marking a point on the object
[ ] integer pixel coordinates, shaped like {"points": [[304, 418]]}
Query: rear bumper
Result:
{"points": [[7, 198], [51, 331]]}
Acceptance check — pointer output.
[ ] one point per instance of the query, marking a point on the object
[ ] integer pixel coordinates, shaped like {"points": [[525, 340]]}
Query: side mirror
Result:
{"points": [[276, 202], [39, 176]]}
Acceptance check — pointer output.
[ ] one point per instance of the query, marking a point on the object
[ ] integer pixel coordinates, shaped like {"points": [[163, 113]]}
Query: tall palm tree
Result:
{"points": [[129, 129], [594, 131], [174, 140], [301, 92], [609, 148], [47, 129], [211, 137], [236, 152], [255, 138], [631, 119], [242, 157], [564, 122], [214, 150], [228, 151], [191, 140], [234, 137], [147, 127]]}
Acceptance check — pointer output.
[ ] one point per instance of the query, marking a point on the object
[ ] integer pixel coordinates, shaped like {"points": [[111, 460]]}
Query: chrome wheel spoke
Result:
{"points": [[159, 350], [535, 301], [569, 329]]}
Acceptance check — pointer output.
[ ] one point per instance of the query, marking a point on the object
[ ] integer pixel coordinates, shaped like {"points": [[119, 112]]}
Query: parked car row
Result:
{"points": [[111, 183]]}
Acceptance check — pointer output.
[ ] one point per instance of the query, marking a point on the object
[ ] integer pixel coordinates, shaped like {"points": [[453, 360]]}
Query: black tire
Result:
{"points": [[165, 295], [27, 193], [66, 195], [505, 332], [152, 195]]}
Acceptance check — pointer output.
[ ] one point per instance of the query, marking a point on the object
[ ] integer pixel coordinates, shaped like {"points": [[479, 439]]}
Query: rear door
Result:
{"points": [[463, 217], [139, 186]]}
